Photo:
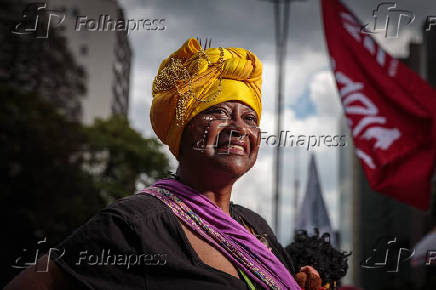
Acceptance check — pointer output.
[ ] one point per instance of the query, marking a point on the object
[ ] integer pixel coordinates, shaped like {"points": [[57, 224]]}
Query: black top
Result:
{"points": [[138, 243]]}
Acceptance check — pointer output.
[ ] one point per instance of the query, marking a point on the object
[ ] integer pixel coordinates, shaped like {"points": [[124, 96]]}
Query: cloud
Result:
{"points": [[323, 94], [250, 24]]}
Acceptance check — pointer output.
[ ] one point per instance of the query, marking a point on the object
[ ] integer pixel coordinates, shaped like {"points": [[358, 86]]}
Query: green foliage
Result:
{"points": [[41, 176], [120, 157], [52, 175], [43, 190]]}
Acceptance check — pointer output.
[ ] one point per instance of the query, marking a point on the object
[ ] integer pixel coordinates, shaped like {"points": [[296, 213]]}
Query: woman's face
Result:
{"points": [[224, 138]]}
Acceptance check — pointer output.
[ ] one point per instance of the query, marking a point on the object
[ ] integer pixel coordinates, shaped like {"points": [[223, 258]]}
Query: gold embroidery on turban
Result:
{"points": [[191, 80]]}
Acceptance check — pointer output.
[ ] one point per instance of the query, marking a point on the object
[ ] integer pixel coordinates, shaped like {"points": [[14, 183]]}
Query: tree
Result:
{"points": [[44, 191], [48, 180], [119, 157]]}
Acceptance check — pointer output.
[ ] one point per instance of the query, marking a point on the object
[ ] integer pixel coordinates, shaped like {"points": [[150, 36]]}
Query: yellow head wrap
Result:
{"points": [[191, 80]]}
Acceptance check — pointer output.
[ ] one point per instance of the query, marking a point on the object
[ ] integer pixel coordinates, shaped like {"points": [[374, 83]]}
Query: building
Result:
{"points": [[44, 66], [85, 74], [348, 211], [105, 55], [369, 219]]}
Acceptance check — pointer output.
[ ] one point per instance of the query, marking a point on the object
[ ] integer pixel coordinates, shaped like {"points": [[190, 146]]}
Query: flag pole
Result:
{"points": [[296, 186], [281, 27], [281, 39]]}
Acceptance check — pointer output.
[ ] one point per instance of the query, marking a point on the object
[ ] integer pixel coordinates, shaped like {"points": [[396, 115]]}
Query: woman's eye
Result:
{"points": [[251, 118], [219, 112], [216, 113]]}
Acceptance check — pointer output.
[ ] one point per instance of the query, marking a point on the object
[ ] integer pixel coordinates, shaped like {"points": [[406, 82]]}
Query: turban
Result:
{"points": [[191, 80]]}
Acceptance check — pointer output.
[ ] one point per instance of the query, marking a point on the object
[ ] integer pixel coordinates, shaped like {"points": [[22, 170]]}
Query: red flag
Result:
{"points": [[390, 110]]}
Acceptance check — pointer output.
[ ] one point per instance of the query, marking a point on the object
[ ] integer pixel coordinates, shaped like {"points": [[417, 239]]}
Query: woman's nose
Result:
{"points": [[238, 126]]}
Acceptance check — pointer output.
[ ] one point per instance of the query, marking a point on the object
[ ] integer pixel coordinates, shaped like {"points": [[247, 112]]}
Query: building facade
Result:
{"points": [[83, 72], [41, 65], [369, 220], [104, 53]]}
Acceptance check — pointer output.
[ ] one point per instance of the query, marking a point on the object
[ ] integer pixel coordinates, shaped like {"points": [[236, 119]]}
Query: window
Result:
{"points": [[84, 49], [75, 12]]}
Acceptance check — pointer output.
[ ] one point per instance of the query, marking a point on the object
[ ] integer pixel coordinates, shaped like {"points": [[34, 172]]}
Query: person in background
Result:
{"points": [[317, 252]]}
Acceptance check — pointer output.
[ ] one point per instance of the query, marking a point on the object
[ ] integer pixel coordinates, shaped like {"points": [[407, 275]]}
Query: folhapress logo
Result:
{"points": [[388, 19], [37, 20]]}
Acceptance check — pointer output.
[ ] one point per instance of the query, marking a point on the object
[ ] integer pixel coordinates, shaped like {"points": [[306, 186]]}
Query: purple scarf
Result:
{"points": [[224, 233]]}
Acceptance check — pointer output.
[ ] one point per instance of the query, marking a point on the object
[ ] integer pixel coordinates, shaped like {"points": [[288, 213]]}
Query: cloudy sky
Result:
{"points": [[312, 105]]}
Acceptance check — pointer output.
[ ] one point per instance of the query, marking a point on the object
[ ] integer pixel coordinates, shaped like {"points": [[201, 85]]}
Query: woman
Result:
{"points": [[184, 233]]}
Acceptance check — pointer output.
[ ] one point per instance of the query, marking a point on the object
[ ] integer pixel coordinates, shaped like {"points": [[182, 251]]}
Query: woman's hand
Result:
{"points": [[308, 278]]}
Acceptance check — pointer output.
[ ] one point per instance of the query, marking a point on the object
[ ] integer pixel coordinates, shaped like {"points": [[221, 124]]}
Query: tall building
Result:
{"points": [[368, 220], [104, 54], [348, 209], [43, 66], [84, 72]]}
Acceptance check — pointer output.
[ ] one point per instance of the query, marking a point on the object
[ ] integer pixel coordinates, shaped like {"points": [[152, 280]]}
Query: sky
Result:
{"points": [[311, 102]]}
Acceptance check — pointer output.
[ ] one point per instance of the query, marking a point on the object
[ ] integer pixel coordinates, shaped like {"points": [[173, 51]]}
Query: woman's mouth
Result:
{"points": [[235, 149]]}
